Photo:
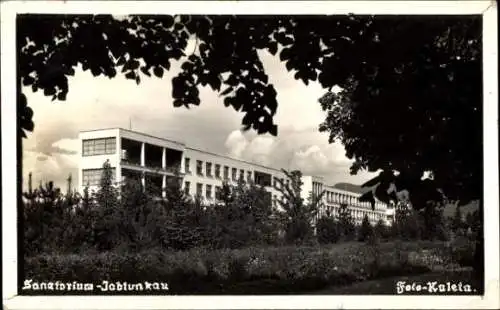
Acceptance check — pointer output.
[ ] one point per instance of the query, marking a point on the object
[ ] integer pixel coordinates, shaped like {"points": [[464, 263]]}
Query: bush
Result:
{"points": [[200, 271], [345, 222], [462, 251], [327, 230], [381, 230], [365, 230]]}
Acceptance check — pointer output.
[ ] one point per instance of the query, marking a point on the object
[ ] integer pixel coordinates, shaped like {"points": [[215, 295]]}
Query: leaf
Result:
{"points": [[121, 61], [273, 130], [286, 41], [130, 75], [158, 71], [372, 182], [272, 47], [228, 101], [214, 82], [145, 70], [187, 66], [236, 104], [285, 54], [368, 197], [28, 125], [49, 91], [325, 79], [28, 80], [232, 80], [302, 76], [62, 96], [95, 71], [134, 64], [227, 91], [178, 103]]}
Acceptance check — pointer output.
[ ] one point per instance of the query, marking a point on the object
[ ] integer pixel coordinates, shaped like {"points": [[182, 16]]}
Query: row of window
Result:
{"points": [[278, 181], [356, 214], [210, 190], [217, 171], [350, 200], [99, 146], [92, 177]]}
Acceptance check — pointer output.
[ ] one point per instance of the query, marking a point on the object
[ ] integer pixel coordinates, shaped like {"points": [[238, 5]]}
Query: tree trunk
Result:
{"points": [[479, 251]]}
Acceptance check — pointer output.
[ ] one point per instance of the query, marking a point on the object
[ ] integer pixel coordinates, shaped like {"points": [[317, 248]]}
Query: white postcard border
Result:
{"points": [[8, 116]]}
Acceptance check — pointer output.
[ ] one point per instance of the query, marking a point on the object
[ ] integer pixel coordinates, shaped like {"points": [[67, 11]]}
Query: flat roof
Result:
{"points": [[182, 143], [212, 153], [235, 159], [136, 132]]}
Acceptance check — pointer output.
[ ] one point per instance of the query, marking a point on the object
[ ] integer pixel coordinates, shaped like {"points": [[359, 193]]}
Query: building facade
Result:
{"points": [[154, 160]]}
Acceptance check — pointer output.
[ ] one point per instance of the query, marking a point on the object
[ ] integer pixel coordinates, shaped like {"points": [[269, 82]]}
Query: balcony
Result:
{"points": [[151, 158], [262, 179]]}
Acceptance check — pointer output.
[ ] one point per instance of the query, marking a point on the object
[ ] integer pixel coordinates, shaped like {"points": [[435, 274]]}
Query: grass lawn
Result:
{"points": [[387, 286]]}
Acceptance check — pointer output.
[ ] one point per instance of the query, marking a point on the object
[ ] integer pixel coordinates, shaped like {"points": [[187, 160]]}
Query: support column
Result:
{"points": [[163, 184], [119, 179], [143, 154], [164, 158], [183, 163], [143, 164]]}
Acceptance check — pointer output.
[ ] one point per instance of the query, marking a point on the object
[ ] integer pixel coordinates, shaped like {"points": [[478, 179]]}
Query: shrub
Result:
{"points": [[202, 271], [462, 251], [381, 230], [365, 230], [345, 222], [327, 230]]}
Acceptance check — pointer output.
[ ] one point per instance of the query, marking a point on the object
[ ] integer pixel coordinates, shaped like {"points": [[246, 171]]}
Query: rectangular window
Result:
{"points": [[209, 169], [186, 187], [199, 189], [199, 167], [92, 177], [208, 190], [187, 163], [217, 171], [217, 192], [234, 171], [226, 172], [242, 175], [249, 176], [101, 146]]}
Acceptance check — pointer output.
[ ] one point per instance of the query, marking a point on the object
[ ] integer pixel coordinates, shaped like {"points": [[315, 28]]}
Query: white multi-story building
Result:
{"points": [[154, 160]]}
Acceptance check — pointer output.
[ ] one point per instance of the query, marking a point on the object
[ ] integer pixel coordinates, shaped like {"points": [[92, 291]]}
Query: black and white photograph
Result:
{"points": [[161, 153]]}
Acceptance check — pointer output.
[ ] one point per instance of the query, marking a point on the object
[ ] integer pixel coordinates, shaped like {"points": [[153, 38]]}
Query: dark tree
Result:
{"points": [[107, 223], [297, 213], [327, 230], [346, 224], [365, 230], [457, 222], [381, 230]]}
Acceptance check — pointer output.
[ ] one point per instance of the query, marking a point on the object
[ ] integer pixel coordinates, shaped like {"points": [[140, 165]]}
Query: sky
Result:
{"points": [[50, 152]]}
